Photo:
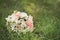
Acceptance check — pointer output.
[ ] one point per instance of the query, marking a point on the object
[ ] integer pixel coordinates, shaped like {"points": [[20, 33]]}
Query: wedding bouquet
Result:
{"points": [[20, 21]]}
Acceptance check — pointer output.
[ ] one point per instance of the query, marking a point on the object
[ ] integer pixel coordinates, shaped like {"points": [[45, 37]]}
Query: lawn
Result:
{"points": [[46, 15]]}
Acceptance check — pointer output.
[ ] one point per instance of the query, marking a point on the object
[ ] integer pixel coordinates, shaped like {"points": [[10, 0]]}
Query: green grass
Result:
{"points": [[46, 15]]}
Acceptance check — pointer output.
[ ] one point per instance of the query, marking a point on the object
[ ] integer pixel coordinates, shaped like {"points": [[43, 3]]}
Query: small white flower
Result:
{"points": [[23, 14], [30, 19], [23, 24]]}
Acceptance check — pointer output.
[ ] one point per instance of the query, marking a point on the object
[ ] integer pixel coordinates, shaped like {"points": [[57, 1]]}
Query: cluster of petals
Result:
{"points": [[20, 21]]}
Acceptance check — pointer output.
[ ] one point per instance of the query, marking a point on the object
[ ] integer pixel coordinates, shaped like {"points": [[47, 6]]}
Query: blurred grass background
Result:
{"points": [[46, 15]]}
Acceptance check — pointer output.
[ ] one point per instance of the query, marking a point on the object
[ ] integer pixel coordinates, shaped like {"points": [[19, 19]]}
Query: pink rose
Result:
{"points": [[18, 14], [18, 27], [28, 23]]}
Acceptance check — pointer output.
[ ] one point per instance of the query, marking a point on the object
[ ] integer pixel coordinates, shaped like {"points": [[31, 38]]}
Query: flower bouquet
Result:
{"points": [[20, 21]]}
